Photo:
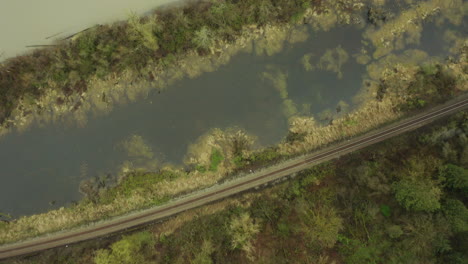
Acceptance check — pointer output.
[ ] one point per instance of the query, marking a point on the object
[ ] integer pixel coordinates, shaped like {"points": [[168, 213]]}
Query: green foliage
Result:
{"points": [[204, 38], [431, 84], [144, 30], [239, 161], [417, 195], [132, 249], [264, 155], [200, 168], [457, 215], [242, 229], [215, 159], [394, 231], [426, 235], [264, 11], [385, 210], [319, 225], [283, 228], [137, 180], [454, 176], [429, 69], [350, 122], [364, 254], [204, 255]]}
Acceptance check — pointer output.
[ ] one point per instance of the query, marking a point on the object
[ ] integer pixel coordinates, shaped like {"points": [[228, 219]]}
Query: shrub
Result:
{"points": [[203, 38], [454, 176], [417, 195], [457, 215], [385, 210], [132, 249], [204, 255], [265, 155], [320, 225], [143, 30], [394, 231], [242, 229], [216, 158]]}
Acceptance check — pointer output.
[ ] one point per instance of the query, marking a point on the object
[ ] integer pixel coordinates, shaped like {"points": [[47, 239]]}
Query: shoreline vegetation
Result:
{"points": [[74, 77]]}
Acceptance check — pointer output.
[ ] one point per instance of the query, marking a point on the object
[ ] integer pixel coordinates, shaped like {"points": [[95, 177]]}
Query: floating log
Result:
{"points": [[54, 35], [79, 32], [36, 46]]}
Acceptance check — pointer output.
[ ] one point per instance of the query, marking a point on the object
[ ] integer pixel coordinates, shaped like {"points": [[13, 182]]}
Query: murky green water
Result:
{"points": [[47, 164]]}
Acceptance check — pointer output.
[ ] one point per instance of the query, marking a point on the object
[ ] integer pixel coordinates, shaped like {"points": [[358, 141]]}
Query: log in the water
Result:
{"points": [[86, 29], [36, 46], [54, 35]]}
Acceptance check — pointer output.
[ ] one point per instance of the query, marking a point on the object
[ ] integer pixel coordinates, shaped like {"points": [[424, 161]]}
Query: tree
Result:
{"points": [[203, 38], [457, 215], [204, 255], [425, 235], [242, 229], [454, 176], [319, 225], [417, 195], [144, 31], [131, 249], [265, 10], [394, 231]]}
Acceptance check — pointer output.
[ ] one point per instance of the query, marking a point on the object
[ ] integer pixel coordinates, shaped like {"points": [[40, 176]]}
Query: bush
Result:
{"points": [[132, 249], [319, 225], [454, 176], [457, 214], [265, 155], [216, 158], [417, 195], [204, 255], [385, 210], [394, 231], [203, 38], [242, 229]]}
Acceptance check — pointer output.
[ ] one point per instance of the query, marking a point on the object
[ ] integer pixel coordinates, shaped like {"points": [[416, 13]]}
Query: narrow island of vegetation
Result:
{"points": [[372, 205]]}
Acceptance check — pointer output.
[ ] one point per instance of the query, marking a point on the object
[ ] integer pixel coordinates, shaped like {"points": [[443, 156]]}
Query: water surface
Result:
{"points": [[32, 22]]}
